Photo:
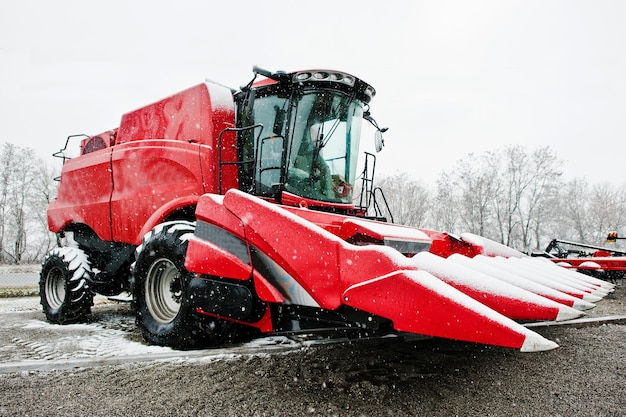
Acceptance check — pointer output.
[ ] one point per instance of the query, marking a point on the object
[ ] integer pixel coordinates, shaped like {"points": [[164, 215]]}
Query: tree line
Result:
{"points": [[515, 196]]}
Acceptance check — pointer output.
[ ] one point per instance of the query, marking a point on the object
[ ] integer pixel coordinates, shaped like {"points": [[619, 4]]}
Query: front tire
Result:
{"points": [[64, 286], [164, 315]]}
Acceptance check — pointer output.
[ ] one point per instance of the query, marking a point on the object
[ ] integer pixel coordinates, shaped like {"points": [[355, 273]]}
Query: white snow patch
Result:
{"points": [[472, 278], [482, 263], [392, 230], [549, 281], [271, 341], [221, 97], [94, 340], [19, 304], [490, 247]]}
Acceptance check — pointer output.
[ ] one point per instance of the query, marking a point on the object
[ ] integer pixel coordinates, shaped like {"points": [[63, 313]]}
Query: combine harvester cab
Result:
{"points": [[295, 262]]}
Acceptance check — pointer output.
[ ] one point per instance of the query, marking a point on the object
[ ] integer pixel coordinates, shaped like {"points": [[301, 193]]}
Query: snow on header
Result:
{"points": [[490, 247]]}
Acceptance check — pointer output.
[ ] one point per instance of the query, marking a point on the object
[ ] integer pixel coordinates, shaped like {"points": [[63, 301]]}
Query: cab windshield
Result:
{"points": [[322, 155], [305, 143]]}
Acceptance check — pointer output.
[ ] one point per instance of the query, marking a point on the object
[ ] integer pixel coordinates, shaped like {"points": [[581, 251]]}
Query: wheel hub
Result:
{"points": [[55, 288], [163, 291]]}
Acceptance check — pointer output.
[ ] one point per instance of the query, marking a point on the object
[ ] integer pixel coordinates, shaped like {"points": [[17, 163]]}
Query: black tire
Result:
{"points": [[164, 315], [64, 286]]}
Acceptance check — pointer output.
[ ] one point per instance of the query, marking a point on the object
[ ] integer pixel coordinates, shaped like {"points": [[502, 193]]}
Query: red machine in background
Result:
{"points": [[601, 262], [230, 213]]}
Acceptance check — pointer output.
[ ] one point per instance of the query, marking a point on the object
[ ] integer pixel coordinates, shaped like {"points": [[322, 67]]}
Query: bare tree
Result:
{"points": [[607, 208], [591, 211], [465, 195], [6, 159], [527, 186], [576, 210], [445, 212], [542, 179], [409, 199], [477, 184], [44, 191], [23, 229], [506, 200], [506, 195], [23, 171]]}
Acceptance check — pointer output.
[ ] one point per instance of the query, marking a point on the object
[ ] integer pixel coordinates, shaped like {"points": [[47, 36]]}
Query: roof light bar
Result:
{"points": [[323, 76]]}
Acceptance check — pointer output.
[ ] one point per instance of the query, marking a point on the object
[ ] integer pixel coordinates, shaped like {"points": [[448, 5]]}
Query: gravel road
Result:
{"points": [[586, 376]]}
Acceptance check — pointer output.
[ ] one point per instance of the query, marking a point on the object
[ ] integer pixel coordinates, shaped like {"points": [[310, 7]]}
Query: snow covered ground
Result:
{"points": [[28, 342], [104, 368]]}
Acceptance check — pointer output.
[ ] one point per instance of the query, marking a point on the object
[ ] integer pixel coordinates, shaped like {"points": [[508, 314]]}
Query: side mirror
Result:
{"points": [[379, 142]]}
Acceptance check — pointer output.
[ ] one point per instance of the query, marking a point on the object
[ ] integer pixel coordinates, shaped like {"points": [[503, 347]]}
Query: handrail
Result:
{"points": [[219, 151]]}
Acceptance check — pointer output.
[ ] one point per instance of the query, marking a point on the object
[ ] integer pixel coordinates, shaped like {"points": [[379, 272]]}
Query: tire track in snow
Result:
{"points": [[110, 358], [28, 343], [34, 350]]}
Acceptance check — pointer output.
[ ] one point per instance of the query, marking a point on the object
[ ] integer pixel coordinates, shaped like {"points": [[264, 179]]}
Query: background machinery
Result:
{"points": [[606, 263]]}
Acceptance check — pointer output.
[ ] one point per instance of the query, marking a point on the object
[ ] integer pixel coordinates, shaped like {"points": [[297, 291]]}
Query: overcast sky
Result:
{"points": [[452, 77]]}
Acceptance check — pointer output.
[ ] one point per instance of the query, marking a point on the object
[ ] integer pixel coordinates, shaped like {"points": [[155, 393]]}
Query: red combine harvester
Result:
{"points": [[231, 213]]}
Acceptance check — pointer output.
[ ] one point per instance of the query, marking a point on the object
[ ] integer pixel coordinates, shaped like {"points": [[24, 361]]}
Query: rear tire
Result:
{"points": [[164, 314], [64, 286]]}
